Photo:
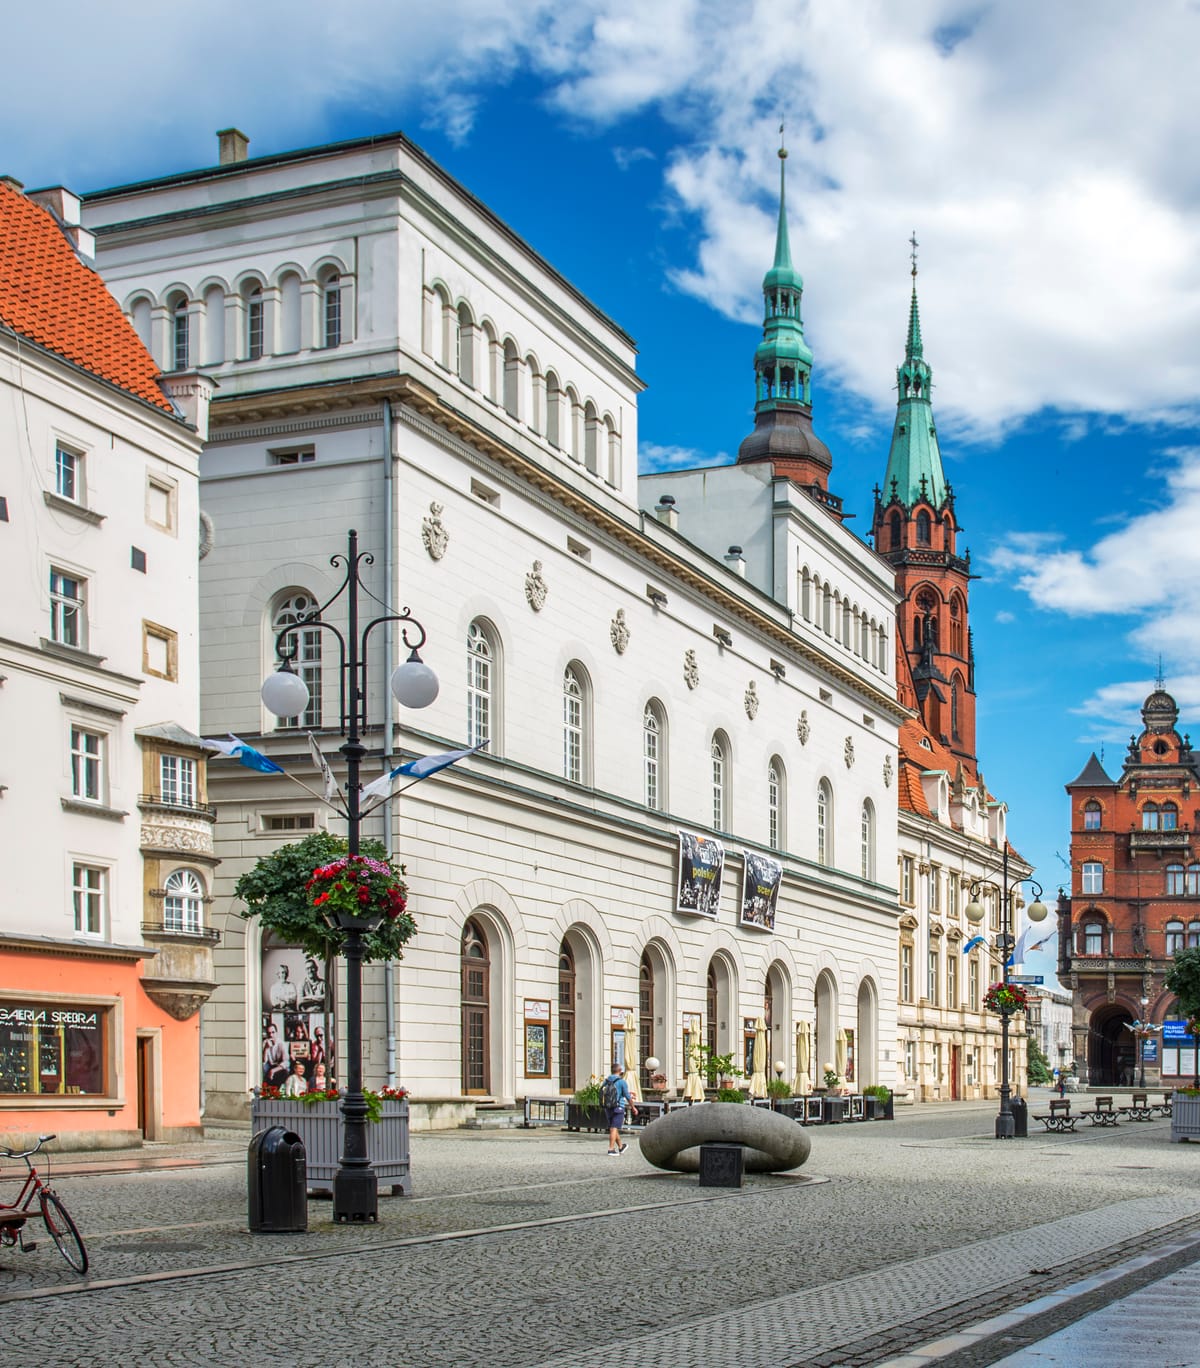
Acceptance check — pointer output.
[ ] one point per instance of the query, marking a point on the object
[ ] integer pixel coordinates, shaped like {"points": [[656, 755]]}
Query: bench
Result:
{"points": [[1059, 1117], [1163, 1107], [1103, 1113], [1139, 1108]]}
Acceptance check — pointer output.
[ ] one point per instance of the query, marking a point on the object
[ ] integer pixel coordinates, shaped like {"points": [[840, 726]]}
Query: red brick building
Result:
{"points": [[1135, 900]]}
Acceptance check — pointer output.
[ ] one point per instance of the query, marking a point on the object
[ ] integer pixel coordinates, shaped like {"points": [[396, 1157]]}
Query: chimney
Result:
{"points": [[736, 561], [233, 143], [64, 205], [665, 512], [191, 393]]}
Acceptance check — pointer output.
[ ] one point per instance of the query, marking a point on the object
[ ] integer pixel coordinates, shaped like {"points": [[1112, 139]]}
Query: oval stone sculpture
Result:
{"points": [[773, 1143]]}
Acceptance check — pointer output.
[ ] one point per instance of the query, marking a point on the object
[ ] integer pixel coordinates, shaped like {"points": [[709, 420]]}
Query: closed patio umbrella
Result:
{"points": [[693, 1088], [632, 1058], [802, 1084], [758, 1077], [841, 1049]]}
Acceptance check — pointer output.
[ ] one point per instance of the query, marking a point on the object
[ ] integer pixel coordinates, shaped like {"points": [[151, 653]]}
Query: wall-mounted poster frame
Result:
{"points": [[537, 1038], [616, 1020], [813, 1107], [701, 865], [761, 877], [749, 1033], [298, 1018]]}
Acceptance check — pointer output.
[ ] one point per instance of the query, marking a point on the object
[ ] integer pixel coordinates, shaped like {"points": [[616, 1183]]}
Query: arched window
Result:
{"points": [[1193, 880], [868, 840], [654, 755], [1175, 879], [591, 438], [184, 902], [956, 626], [476, 968], [1193, 935], [304, 645], [719, 751], [1174, 937], [466, 345], [553, 410], [254, 320], [512, 379], [1150, 817], [955, 695], [645, 1017], [576, 747], [288, 331], [214, 326], [566, 1018], [775, 802], [179, 332], [1168, 817], [806, 595], [1093, 938], [1092, 814], [331, 309], [897, 532], [481, 684], [923, 527], [824, 823]]}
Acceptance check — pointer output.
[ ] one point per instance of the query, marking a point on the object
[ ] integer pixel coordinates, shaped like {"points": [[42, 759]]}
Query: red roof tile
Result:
{"points": [[49, 296]]}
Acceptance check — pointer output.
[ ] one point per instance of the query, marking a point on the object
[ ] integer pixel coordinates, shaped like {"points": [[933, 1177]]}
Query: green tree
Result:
{"points": [[1037, 1066], [1183, 979], [274, 891]]}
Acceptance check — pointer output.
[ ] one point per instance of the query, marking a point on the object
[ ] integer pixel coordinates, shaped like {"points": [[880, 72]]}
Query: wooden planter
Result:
{"points": [[1185, 1117], [319, 1125]]}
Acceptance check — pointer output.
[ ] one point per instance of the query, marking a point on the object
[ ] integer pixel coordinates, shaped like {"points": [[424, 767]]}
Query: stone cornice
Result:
{"points": [[46, 945]]}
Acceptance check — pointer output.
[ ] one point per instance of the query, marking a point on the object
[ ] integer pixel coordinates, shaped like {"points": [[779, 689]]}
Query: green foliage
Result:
{"points": [[779, 1087], [589, 1094], [877, 1090], [274, 891], [714, 1066], [730, 1095], [1183, 979], [1037, 1066], [831, 1078]]}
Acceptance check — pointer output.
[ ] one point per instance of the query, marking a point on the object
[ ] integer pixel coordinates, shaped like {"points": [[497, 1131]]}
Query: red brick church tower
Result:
{"points": [[916, 530]]}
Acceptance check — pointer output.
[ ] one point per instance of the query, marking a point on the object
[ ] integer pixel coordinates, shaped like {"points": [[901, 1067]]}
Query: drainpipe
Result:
{"points": [[389, 562]]}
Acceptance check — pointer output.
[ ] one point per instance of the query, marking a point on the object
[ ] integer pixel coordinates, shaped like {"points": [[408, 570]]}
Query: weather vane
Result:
{"points": [[914, 244]]}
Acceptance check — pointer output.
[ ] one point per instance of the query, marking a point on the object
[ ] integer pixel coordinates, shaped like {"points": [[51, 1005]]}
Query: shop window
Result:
{"points": [[52, 1049]]}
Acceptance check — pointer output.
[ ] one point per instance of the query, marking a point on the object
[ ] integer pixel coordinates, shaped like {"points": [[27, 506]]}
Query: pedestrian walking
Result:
{"points": [[614, 1095]]}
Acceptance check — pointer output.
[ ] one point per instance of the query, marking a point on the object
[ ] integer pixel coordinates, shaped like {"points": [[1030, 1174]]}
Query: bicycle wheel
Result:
{"points": [[63, 1232]]}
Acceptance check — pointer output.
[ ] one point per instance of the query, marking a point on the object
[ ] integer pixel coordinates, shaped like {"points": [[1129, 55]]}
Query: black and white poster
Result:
{"points": [[760, 890], [297, 1020], [701, 864]]}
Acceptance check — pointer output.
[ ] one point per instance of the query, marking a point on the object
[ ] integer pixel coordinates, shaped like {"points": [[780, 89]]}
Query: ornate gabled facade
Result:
{"points": [[915, 529], [1135, 900]]}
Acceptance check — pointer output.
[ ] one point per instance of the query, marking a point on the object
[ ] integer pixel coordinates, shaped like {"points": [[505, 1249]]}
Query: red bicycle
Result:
{"points": [[55, 1217]]}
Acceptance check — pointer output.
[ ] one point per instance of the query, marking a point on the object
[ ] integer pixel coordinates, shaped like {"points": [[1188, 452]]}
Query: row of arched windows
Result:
{"points": [[256, 316], [924, 522], [1096, 935], [514, 379], [836, 616], [1154, 816]]}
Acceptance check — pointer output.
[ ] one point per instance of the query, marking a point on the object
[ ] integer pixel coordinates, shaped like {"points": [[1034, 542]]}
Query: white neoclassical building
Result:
{"points": [[391, 357]]}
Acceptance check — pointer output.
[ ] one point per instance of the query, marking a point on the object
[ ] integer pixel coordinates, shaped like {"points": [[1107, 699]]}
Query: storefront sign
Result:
{"points": [[761, 878], [52, 1048], [701, 864]]}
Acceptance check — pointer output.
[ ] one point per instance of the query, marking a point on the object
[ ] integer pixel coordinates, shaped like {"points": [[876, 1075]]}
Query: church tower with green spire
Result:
{"points": [[915, 529], [783, 432]]}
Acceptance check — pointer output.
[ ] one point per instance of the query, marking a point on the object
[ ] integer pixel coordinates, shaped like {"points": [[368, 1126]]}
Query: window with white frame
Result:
{"points": [[935, 889], [184, 902], [87, 765], [331, 310], [573, 725], [1092, 814], [1175, 941], [1193, 880], [906, 880], [177, 780], [774, 805], [824, 823], [906, 973], [1092, 876], [89, 893], [952, 895], [973, 983], [1193, 935], [931, 978], [305, 644], [67, 621], [719, 753], [1093, 938], [481, 659], [1175, 879], [868, 840], [254, 322], [68, 473], [179, 333], [653, 757], [910, 1059], [952, 953], [1169, 817]]}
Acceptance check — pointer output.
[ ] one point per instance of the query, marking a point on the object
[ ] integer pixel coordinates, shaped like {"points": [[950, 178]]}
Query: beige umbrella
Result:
{"points": [[758, 1078], [632, 1058], [841, 1052], [801, 1086], [693, 1088]]}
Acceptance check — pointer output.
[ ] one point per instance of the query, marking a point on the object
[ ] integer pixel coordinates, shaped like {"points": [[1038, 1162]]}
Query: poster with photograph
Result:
{"points": [[760, 890], [701, 864], [537, 1038], [297, 1021]]}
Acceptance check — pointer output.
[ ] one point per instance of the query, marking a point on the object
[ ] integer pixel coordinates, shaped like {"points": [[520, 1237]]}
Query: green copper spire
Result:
{"points": [[783, 360], [914, 468]]}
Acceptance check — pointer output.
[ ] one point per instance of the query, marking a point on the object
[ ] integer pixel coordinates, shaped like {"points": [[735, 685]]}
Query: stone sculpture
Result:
{"points": [[773, 1142]]}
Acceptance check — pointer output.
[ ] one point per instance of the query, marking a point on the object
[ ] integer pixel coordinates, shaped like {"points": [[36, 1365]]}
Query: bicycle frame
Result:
{"points": [[30, 1187]]}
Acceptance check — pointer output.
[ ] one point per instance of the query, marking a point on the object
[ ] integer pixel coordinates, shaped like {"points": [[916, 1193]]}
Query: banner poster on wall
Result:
{"points": [[701, 863], [761, 878], [297, 1020]]}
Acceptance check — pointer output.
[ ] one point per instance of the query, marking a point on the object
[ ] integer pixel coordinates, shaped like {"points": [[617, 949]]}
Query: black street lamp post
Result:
{"points": [[285, 693], [1036, 912]]}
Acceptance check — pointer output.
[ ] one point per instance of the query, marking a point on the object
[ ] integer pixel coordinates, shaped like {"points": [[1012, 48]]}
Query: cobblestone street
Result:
{"points": [[529, 1249]]}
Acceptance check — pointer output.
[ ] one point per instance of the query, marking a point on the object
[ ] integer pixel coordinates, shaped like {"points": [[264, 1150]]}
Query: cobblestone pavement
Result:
{"points": [[518, 1245]]}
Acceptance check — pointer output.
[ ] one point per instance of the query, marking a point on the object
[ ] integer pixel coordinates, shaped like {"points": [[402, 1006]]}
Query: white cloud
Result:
{"points": [[652, 457]]}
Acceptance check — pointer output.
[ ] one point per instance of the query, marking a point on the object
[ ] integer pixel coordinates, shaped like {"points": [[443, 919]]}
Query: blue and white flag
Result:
{"points": [[327, 775], [973, 942], [417, 769], [1025, 946], [235, 749]]}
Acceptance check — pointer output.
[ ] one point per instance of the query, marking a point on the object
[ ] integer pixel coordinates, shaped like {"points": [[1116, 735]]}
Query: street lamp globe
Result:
{"points": [[1037, 911], [284, 693], [414, 684], [974, 911]]}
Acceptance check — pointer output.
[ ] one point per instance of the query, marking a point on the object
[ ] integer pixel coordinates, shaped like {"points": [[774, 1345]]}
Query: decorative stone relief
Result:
{"points": [[848, 751], [751, 700], [887, 771], [433, 532], [803, 730], [168, 834], [618, 632], [536, 588], [208, 534], [691, 671], [1112, 988]]}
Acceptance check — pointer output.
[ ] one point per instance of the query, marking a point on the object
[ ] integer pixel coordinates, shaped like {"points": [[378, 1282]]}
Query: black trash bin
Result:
{"points": [[1020, 1116], [276, 1180]]}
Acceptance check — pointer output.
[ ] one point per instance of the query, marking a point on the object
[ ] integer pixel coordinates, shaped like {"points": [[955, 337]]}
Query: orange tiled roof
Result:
{"points": [[49, 296], [909, 793]]}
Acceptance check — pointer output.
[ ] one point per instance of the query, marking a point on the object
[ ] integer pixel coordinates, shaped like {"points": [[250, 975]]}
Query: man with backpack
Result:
{"points": [[615, 1099]]}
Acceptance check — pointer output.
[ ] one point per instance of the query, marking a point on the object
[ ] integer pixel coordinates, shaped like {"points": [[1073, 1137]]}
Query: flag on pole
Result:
{"points": [[236, 749], [973, 942], [417, 769], [1025, 946], [331, 784]]}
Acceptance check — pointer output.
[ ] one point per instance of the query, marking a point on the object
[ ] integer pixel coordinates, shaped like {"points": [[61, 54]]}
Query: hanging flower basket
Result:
{"points": [[1006, 998]]}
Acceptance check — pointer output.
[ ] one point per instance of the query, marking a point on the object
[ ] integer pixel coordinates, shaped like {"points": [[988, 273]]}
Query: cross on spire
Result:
{"points": [[914, 244]]}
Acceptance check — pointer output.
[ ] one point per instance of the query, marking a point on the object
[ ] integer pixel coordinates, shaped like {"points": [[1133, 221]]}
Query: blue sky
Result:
{"points": [[1045, 156]]}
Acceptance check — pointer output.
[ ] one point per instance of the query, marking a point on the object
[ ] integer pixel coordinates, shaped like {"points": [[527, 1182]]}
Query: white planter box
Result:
{"points": [[319, 1125], [1185, 1117]]}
